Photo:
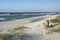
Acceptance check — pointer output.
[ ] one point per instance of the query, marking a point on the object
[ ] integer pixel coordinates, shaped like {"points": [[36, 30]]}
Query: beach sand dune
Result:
{"points": [[35, 27]]}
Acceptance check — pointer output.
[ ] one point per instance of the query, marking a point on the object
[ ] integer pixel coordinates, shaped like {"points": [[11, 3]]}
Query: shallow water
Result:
{"points": [[8, 16]]}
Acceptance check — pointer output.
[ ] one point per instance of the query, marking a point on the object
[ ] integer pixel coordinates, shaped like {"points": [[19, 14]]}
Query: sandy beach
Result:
{"points": [[24, 22], [35, 26]]}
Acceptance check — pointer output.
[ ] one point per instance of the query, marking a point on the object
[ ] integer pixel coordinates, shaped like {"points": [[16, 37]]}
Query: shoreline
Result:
{"points": [[35, 30], [31, 18], [12, 24]]}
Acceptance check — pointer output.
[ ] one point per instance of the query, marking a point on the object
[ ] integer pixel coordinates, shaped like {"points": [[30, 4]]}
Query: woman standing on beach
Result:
{"points": [[46, 24]]}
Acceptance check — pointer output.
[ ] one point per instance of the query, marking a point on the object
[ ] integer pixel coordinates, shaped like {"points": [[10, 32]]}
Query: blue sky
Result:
{"points": [[29, 5]]}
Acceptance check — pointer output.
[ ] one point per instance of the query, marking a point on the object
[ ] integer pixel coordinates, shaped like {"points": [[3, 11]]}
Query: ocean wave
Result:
{"points": [[33, 19], [2, 19], [31, 14], [4, 14]]}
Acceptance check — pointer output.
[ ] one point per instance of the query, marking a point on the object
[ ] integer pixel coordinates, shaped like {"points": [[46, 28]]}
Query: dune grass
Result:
{"points": [[57, 28], [5, 36], [18, 31], [51, 30], [55, 20]]}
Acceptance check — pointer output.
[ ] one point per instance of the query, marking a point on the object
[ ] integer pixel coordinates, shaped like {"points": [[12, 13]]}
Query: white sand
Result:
{"points": [[53, 36], [38, 27], [12, 24]]}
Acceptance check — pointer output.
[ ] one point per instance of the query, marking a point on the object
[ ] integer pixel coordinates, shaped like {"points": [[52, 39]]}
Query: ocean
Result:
{"points": [[8, 16]]}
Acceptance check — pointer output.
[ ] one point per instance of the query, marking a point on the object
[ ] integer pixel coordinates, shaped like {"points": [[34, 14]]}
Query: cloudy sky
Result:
{"points": [[29, 5]]}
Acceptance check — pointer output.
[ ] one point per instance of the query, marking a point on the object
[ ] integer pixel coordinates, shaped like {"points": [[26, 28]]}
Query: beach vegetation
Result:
{"points": [[18, 32], [57, 29], [5, 36], [55, 20]]}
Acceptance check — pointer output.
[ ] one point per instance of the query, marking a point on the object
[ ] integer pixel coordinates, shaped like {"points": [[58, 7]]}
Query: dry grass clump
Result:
{"points": [[55, 20], [51, 30], [57, 28], [18, 32], [5, 36]]}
